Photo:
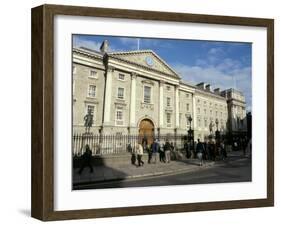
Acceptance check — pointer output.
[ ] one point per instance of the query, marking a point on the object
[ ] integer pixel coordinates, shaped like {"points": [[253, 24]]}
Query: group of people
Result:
{"points": [[209, 151], [156, 150]]}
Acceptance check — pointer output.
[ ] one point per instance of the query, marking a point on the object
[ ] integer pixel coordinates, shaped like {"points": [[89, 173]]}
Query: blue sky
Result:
{"points": [[222, 64]]}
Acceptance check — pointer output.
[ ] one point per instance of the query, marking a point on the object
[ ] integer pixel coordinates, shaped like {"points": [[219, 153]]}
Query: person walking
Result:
{"points": [[161, 153], [167, 150], [155, 151], [223, 150], [200, 151], [133, 152], [86, 160], [139, 153]]}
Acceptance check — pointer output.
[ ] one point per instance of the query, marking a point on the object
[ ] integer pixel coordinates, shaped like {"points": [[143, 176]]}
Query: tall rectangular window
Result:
{"points": [[147, 94], [168, 101], [120, 93], [119, 116], [121, 77], [93, 74], [187, 107], [92, 91], [168, 119]]}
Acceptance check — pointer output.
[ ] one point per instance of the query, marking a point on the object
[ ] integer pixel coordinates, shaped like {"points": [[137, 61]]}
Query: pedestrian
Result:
{"points": [[223, 150], [86, 160], [200, 151], [133, 157], [186, 148], [155, 150], [139, 153], [149, 151], [161, 153], [167, 150], [172, 146], [129, 148]]}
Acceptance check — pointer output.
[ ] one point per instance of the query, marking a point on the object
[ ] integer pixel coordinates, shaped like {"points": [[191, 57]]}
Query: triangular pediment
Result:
{"points": [[145, 58]]}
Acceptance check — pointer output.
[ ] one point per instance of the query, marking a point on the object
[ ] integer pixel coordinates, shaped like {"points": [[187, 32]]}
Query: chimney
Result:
{"points": [[208, 87], [104, 46], [217, 91], [201, 85]]}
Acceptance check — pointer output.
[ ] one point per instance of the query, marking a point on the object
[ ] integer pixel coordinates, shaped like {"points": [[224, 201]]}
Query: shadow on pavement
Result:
{"points": [[101, 173]]}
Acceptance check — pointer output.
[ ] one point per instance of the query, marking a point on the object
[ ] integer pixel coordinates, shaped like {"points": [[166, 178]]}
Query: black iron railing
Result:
{"points": [[118, 144]]}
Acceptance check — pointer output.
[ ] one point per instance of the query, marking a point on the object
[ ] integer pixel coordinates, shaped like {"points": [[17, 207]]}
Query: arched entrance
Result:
{"points": [[146, 131]]}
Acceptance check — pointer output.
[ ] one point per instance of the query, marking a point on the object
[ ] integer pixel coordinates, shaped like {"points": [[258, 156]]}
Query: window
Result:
{"points": [[92, 91], [168, 88], [205, 111], [92, 108], [198, 101], [168, 101], [211, 112], [147, 94], [199, 122], [119, 116], [216, 113], [120, 93], [168, 119], [187, 107], [93, 74], [187, 95], [205, 123], [121, 77]]}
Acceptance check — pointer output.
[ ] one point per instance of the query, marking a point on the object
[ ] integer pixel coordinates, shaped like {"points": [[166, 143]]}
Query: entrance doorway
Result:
{"points": [[146, 131]]}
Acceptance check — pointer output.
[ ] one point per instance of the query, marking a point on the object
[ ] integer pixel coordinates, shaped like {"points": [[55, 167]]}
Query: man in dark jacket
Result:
{"points": [[167, 150], [200, 150], [155, 150], [86, 159]]}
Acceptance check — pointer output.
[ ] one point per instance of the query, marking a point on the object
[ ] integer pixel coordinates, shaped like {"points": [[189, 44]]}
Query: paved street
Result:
{"points": [[236, 169]]}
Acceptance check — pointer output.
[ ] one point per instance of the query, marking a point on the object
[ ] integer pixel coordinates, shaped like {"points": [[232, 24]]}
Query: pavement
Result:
{"points": [[117, 172]]}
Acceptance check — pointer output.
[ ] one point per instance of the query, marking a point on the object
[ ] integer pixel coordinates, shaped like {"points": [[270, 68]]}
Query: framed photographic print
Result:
{"points": [[141, 112]]}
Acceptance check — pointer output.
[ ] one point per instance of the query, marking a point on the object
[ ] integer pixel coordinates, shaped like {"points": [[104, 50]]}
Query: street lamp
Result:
{"points": [[190, 120], [217, 123]]}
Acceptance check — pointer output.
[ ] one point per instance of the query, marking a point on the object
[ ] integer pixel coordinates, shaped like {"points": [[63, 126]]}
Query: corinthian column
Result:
{"points": [[133, 101], [107, 96]]}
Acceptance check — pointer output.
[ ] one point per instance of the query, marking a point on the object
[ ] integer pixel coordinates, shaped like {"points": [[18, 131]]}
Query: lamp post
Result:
{"points": [[217, 123], [217, 132]]}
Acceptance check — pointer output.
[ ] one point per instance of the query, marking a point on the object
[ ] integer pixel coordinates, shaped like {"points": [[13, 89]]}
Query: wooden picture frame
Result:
{"points": [[43, 108]]}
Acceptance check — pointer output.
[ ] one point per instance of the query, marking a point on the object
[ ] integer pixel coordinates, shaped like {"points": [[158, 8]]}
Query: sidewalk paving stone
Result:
{"points": [[129, 171]]}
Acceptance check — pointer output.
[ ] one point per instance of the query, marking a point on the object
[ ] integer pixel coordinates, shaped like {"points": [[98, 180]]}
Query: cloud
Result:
{"points": [[228, 74], [79, 41]]}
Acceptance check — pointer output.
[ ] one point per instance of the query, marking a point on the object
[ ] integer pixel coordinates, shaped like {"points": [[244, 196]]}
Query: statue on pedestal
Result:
{"points": [[88, 120]]}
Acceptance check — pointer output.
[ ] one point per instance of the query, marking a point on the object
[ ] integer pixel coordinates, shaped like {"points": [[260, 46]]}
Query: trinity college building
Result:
{"points": [[136, 92]]}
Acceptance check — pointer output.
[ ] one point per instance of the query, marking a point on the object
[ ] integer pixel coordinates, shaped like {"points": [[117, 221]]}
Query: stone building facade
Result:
{"points": [[136, 92]]}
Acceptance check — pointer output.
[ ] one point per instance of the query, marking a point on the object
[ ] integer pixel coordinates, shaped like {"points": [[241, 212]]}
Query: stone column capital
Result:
{"points": [[134, 75], [161, 82], [110, 68]]}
